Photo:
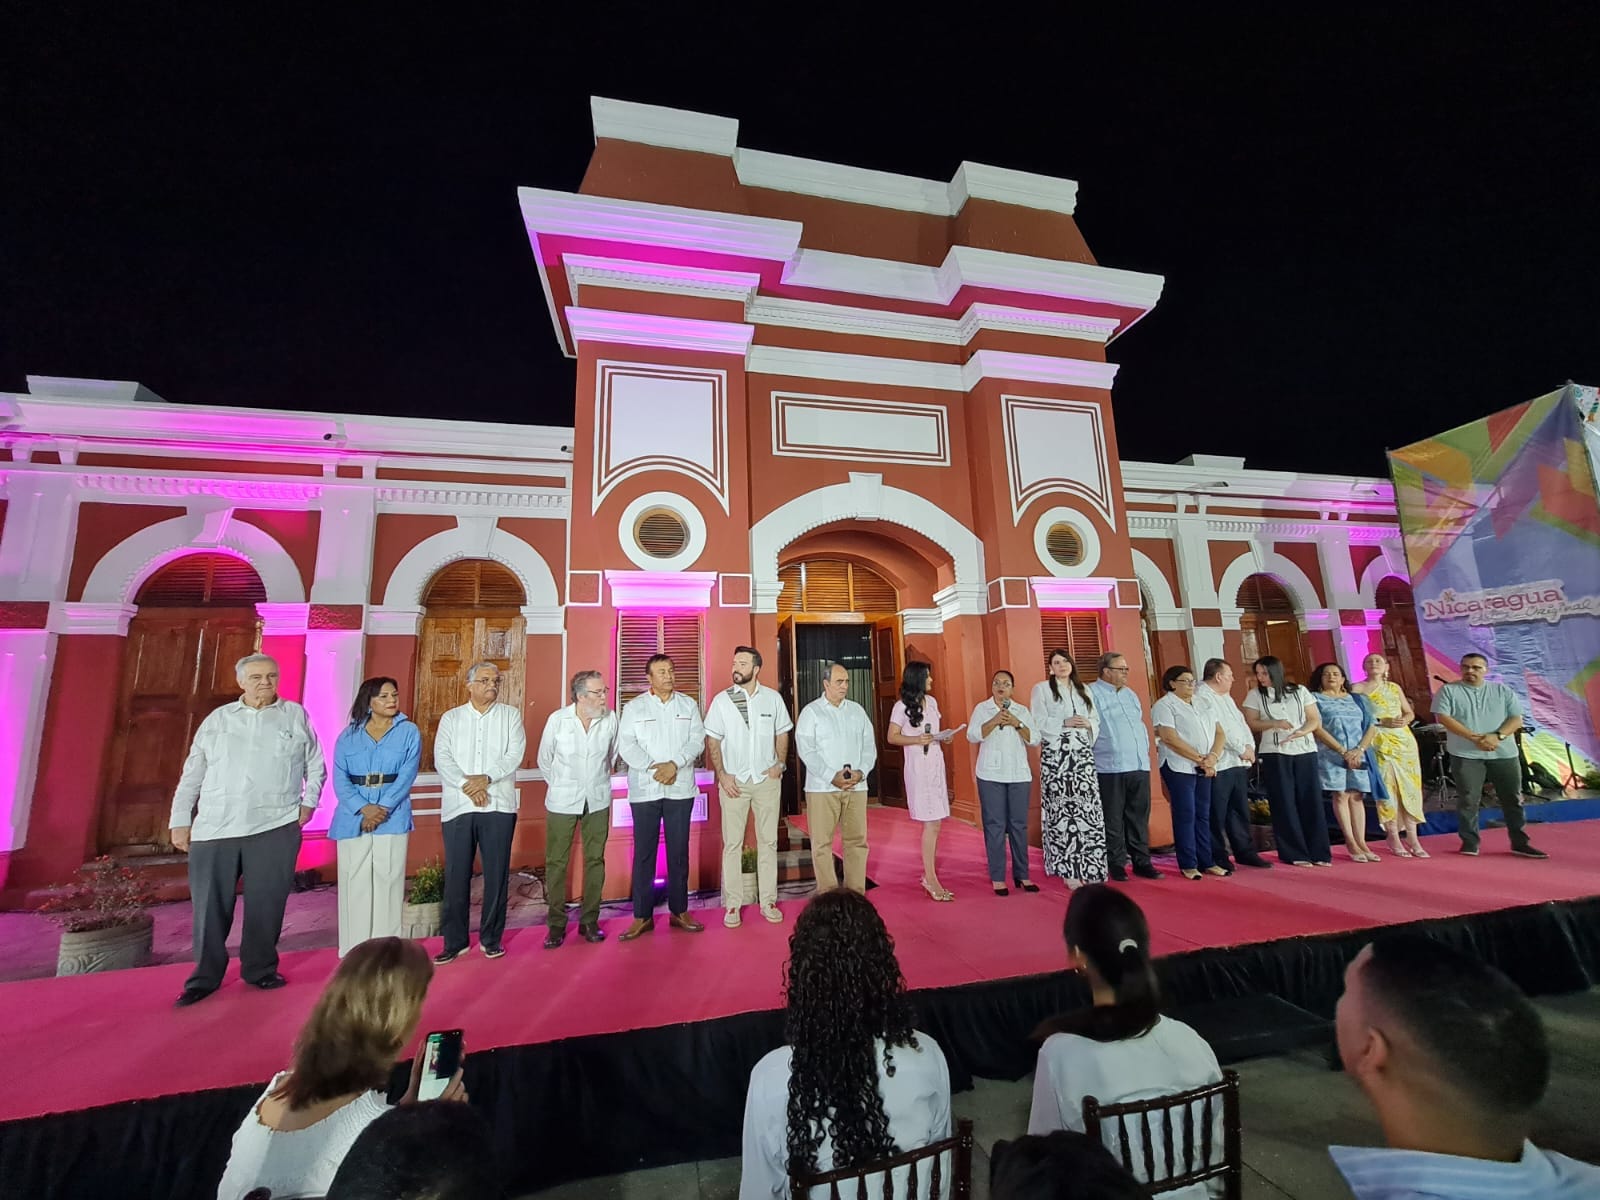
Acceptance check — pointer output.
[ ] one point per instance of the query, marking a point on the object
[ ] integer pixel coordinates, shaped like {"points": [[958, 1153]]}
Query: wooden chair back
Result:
{"points": [[1187, 1137], [958, 1146]]}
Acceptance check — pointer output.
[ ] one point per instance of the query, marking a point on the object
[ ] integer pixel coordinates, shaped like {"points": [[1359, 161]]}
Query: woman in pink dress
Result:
{"points": [[912, 725]]}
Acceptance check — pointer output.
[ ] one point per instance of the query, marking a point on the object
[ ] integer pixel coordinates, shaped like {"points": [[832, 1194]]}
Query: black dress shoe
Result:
{"points": [[192, 995], [1254, 860], [553, 940], [268, 982], [592, 934], [448, 956], [1147, 871], [1118, 875]]}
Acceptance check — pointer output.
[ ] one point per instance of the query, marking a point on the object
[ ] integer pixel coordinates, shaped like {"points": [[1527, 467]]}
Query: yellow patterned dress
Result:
{"points": [[1397, 754]]}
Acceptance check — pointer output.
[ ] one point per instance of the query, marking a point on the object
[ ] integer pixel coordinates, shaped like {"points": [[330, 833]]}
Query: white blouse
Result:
{"points": [[297, 1162], [916, 1099], [1051, 715], [1296, 700], [1170, 1058], [1194, 722]]}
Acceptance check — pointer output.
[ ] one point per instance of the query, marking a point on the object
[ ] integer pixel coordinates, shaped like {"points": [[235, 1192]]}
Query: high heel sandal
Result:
{"points": [[1027, 885], [937, 893], [1419, 852]]}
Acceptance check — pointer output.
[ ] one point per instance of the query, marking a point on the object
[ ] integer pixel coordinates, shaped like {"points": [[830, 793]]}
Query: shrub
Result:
{"points": [[103, 896], [747, 859], [427, 885]]}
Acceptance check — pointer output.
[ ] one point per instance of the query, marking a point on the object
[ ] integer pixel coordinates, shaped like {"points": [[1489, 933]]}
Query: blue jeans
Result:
{"points": [[1191, 816]]}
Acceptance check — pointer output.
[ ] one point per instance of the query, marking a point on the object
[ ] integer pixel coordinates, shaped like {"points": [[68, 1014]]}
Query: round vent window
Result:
{"points": [[661, 533], [1064, 544]]}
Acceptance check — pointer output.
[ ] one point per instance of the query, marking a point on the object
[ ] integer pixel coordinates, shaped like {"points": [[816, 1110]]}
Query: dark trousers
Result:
{"points": [[648, 818], [1190, 796], [1125, 797], [559, 828], [1230, 816], [1005, 818], [266, 861], [488, 836], [1295, 794], [1469, 775]]}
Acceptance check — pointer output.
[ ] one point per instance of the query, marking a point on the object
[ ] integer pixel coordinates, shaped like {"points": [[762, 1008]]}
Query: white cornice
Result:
{"points": [[1009, 319], [661, 589], [1242, 484], [667, 333], [700, 282], [1051, 277], [836, 181], [80, 618], [944, 377], [673, 128], [1006, 186], [1052, 593], [1036, 368], [609, 219], [1144, 524]]}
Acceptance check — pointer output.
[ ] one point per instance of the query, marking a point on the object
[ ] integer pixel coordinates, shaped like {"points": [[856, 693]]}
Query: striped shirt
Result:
{"points": [[1384, 1174]]}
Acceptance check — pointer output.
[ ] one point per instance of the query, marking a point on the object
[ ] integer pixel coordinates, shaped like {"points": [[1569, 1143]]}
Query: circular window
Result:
{"points": [[1064, 544], [661, 533]]}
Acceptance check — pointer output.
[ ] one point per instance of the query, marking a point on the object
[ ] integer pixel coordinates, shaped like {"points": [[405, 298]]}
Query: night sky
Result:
{"points": [[1373, 225]]}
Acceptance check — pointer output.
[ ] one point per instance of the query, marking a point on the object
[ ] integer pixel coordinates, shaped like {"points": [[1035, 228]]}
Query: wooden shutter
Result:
{"points": [[639, 635], [827, 585], [791, 599], [203, 581], [474, 583], [1080, 634]]}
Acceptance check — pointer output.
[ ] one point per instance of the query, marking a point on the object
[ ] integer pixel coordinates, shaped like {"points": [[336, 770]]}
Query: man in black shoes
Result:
{"points": [[1230, 791], [1122, 760]]}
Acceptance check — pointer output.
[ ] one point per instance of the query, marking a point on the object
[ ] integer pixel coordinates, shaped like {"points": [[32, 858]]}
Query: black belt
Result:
{"points": [[371, 780]]}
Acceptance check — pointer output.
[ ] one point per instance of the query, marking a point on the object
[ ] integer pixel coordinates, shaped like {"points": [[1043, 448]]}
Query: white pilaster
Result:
{"points": [[26, 658], [333, 673]]}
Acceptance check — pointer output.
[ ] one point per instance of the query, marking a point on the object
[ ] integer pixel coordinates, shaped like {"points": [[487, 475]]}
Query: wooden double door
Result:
{"points": [[179, 667], [451, 641]]}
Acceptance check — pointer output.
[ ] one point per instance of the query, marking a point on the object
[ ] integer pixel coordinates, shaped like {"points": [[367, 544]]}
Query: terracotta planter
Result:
{"points": [[420, 920], [1261, 837], [110, 949]]}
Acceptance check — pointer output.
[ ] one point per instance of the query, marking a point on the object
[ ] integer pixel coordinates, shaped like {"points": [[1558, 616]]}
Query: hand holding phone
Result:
{"points": [[437, 1073]]}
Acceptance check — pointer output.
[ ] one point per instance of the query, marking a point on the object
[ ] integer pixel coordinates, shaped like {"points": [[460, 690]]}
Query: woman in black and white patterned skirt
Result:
{"points": [[1070, 817]]}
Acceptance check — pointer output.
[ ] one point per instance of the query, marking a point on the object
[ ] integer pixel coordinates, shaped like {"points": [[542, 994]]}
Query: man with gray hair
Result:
{"points": [[252, 779], [477, 750], [575, 757]]}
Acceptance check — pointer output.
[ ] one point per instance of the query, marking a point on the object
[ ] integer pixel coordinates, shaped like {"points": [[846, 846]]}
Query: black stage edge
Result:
{"points": [[601, 1105]]}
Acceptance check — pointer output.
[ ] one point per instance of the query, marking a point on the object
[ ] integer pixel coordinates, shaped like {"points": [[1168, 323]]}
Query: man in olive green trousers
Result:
{"points": [[575, 757]]}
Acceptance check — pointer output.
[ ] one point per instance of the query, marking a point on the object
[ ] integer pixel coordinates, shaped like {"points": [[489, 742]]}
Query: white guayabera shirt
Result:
{"points": [[249, 770]]}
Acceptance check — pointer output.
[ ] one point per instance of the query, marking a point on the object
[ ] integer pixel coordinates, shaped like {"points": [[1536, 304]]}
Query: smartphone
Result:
{"points": [[441, 1059]]}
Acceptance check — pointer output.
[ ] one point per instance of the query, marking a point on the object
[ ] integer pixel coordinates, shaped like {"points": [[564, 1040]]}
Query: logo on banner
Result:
{"points": [[1543, 601]]}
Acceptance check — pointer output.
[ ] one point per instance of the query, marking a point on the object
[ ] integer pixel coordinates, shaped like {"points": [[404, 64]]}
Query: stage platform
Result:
{"points": [[599, 1058]]}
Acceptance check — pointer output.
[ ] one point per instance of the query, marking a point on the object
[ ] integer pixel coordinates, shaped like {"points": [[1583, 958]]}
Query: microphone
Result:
{"points": [[1441, 679]]}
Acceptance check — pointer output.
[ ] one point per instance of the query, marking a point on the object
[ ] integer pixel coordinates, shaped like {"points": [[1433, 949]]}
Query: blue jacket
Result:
{"points": [[397, 753]]}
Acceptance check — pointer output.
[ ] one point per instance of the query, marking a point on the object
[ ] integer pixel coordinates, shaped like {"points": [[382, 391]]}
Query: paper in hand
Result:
{"points": [[949, 735]]}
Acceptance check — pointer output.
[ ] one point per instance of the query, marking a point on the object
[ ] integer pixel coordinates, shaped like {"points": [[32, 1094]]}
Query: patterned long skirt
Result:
{"points": [[1070, 817]]}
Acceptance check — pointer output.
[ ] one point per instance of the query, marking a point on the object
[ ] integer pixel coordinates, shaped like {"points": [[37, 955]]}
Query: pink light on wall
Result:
{"points": [[658, 591]]}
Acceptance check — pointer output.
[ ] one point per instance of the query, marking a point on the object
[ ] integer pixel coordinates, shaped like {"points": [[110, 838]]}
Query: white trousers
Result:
{"points": [[372, 881]]}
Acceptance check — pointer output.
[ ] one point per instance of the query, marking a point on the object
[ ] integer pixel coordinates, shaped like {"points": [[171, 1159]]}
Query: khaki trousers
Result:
{"points": [[372, 884], [846, 812], [763, 799]]}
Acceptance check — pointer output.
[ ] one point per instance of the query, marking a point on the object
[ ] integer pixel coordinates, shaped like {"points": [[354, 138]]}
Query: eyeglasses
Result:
{"points": [[1184, 679], [593, 692], [1119, 670]]}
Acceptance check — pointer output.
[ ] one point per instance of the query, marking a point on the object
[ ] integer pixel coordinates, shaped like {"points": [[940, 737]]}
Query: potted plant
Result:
{"points": [[1261, 826], [420, 917], [747, 880], [103, 919]]}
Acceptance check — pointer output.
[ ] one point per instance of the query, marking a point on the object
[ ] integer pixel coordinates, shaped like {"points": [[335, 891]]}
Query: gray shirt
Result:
{"points": [[1482, 710]]}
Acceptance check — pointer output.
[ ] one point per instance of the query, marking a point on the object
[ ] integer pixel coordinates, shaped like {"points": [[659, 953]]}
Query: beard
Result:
{"points": [[742, 679]]}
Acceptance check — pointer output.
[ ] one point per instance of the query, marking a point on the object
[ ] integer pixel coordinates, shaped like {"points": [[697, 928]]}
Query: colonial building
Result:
{"points": [[834, 413]]}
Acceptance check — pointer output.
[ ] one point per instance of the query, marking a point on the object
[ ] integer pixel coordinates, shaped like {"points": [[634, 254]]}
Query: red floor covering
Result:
{"points": [[102, 1039]]}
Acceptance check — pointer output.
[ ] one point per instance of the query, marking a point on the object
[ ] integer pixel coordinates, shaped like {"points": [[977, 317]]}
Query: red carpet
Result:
{"points": [[101, 1039]]}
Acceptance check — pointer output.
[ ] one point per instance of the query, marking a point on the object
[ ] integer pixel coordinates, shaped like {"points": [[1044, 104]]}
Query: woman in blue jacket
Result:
{"points": [[374, 764]]}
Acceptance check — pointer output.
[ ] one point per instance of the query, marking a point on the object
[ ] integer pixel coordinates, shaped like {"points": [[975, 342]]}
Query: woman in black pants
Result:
{"points": [[1285, 715]]}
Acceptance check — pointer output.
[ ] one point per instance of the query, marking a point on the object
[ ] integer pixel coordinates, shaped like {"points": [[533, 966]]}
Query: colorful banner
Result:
{"points": [[1502, 534]]}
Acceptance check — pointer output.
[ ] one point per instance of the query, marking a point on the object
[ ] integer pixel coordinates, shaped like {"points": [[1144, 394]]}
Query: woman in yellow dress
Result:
{"points": [[1397, 755]]}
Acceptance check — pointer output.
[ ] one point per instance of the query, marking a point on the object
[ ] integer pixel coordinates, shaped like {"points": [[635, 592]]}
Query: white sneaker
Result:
{"points": [[771, 913], [730, 918]]}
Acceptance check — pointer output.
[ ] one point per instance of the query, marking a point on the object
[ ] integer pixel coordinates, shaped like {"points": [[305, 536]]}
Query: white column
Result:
{"points": [[1343, 591], [26, 658], [1197, 587], [333, 673]]}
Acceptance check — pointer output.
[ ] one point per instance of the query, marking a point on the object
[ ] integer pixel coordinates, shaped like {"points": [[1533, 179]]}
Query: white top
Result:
{"points": [[1003, 755], [749, 749], [489, 743], [1170, 1058], [576, 762], [652, 731], [1050, 715], [828, 736], [916, 1099], [250, 769], [1238, 735], [301, 1162], [1291, 708], [1383, 1174], [1195, 723]]}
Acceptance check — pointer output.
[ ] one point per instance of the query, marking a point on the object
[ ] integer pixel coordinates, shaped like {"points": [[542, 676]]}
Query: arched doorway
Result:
{"points": [[1268, 624], [1402, 643], [472, 612], [196, 619], [1153, 664]]}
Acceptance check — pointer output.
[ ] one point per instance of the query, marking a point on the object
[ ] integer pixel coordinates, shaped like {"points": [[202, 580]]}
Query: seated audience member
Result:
{"points": [[855, 1083], [1121, 1048], [1453, 1059], [293, 1139], [1059, 1166], [431, 1151]]}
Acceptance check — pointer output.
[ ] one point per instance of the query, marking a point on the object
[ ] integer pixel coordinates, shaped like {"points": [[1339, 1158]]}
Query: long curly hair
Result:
{"points": [[845, 991], [914, 690]]}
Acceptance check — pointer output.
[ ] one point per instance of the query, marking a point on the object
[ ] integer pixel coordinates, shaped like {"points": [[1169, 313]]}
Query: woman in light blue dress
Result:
{"points": [[1346, 765]]}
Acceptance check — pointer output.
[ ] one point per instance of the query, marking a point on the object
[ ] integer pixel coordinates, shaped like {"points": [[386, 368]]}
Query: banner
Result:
{"points": [[1502, 535]]}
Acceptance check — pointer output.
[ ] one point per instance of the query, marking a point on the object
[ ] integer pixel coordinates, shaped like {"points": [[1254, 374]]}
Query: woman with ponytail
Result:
{"points": [[1121, 1048], [914, 727]]}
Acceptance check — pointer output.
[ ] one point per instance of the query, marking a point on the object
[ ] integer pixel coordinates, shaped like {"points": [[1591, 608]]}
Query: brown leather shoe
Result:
{"points": [[686, 923], [640, 926]]}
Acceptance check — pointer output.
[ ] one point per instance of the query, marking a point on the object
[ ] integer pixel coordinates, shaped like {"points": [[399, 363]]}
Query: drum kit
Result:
{"points": [[1436, 785]]}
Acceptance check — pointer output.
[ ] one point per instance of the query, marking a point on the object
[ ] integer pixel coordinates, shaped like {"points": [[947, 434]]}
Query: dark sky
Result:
{"points": [[1373, 224]]}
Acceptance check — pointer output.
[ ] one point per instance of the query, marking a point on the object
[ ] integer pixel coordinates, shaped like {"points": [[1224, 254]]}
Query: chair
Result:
{"points": [[1178, 1108], [959, 1146]]}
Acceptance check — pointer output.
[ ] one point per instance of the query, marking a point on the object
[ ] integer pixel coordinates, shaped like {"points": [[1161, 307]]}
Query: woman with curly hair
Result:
{"points": [[914, 727], [294, 1138], [855, 1083]]}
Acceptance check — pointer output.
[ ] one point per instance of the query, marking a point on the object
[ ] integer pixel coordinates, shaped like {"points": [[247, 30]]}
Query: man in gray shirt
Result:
{"points": [[1480, 718]]}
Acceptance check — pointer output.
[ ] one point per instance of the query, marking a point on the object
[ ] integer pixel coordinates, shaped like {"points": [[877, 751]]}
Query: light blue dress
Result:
{"points": [[1341, 717]]}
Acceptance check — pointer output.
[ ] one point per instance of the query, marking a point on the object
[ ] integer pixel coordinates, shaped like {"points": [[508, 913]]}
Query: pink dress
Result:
{"points": [[927, 794]]}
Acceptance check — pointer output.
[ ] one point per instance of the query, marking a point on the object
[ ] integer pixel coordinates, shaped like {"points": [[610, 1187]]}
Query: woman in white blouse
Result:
{"points": [[1121, 1048], [1285, 715], [294, 1138], [1072, 823], [1189, 741], [855, 1083]]}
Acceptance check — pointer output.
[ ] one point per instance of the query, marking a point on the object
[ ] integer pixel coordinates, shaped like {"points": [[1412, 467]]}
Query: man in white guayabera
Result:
{"points": [[251, 780]]}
